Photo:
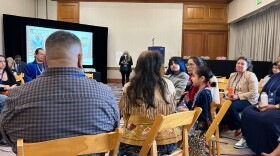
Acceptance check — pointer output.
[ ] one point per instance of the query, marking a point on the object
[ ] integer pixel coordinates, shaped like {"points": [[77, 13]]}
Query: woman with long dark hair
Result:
{"points": [[144, 97], [7, 79]]}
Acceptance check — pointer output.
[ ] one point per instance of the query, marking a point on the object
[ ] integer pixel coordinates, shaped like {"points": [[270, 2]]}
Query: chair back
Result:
{"points": [[72, 146], [162, 123], [89, 75], [20, 77], [212, 134]]}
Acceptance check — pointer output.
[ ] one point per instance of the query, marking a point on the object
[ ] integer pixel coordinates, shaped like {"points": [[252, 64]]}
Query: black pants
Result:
{"points": [[125, 77]]}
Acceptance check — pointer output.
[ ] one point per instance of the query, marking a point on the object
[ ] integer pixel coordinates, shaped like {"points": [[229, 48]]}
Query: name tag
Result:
{"points": [[125, 65], [271, 97]]}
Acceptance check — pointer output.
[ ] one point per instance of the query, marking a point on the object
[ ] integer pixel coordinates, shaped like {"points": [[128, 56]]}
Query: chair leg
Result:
{"points": [[154, 149]]}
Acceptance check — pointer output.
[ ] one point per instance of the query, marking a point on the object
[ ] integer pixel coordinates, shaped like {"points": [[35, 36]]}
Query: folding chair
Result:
{"points": [[72, 146], [212, 134], [162, 123]]}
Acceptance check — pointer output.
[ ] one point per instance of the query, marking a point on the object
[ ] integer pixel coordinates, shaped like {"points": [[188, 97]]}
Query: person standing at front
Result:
{"points": [[125, 66]]}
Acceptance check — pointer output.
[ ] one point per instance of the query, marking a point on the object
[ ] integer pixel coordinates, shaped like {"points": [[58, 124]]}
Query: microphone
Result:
{"points": [[188, 87]]}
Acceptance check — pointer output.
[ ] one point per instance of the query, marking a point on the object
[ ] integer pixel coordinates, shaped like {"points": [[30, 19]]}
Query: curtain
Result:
{"points": [[258, 36]]}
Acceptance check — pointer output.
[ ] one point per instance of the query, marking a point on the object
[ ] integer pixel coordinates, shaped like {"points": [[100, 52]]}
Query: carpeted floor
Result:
{"points": [[227, 140]]}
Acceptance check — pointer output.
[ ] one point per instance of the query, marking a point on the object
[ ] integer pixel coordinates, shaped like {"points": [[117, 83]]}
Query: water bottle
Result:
{"points": [[230, 92], [264, 99]]}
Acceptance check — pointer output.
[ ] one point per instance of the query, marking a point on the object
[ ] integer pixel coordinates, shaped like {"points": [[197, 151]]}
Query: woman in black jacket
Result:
{"points": [[125, 66]]}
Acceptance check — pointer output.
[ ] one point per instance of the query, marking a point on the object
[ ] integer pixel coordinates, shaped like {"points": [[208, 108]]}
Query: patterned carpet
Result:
{"points": [[227, 139]]}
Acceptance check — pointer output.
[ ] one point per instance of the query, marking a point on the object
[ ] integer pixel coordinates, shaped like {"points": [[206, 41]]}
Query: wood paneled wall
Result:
{"points": [[68, 11], [205, 30]]}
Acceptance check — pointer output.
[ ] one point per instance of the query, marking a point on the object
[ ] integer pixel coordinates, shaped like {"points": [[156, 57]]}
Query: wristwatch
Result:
{"points": [[277, 106]]}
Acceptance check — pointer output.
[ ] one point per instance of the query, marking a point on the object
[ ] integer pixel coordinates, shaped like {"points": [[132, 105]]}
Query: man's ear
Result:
{"points": [[80, 60], [45, 60]]}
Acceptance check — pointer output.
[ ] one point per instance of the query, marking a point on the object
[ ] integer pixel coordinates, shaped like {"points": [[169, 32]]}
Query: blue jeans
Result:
{"points": [[2, 100], [232, 118]]}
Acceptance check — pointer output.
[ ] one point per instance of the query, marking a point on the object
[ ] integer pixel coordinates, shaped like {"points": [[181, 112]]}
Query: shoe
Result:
{"points": [[237, 132], [241, 144]]}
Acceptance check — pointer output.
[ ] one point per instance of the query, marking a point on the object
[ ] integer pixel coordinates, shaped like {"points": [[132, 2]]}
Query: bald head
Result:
{"points": [[63, 49]]}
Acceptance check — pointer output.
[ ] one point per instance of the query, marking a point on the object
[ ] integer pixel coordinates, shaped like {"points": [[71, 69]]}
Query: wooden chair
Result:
{"points": [[162, 123], [89, 75], [72, 146], [260, 86], [221, 79], [222, 86], [213, 106], [212, 134], [20, 77]]}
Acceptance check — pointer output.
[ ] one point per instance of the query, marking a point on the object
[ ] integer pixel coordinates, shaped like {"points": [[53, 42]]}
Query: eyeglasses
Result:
{"points": [[191, 65]]}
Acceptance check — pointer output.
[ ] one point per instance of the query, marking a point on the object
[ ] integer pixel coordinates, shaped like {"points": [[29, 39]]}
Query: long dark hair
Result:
{"points": [[147, 77], [204, 71], [178, 61], [10, 75]]}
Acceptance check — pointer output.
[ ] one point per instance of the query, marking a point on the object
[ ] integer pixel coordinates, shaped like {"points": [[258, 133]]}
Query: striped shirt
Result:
{"points": [[61, 102]]}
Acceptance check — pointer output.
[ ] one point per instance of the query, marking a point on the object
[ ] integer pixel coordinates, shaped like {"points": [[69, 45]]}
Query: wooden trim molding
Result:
{"points": [[117, 68], [114, 81], [113, 68], [153, 1]]}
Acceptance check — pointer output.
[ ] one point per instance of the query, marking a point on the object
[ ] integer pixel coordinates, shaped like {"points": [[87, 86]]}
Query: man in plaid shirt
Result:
{"points": [[62, 101]]}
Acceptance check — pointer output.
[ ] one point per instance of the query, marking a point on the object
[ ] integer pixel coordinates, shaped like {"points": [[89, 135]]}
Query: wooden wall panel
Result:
{"points": [[203, 43], [193, 43], [216, 44], [204, 13], [68, 12], [205, 29]]}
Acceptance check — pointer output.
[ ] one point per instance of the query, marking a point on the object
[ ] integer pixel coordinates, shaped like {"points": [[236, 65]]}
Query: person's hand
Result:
{"points": [[13, 86], [7, 87], [264, 108], [234, 97], [182, 109], [186, 98]]}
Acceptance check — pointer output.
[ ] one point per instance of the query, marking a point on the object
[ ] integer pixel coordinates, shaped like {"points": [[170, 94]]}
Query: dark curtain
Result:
{"points": [[15, 38]]}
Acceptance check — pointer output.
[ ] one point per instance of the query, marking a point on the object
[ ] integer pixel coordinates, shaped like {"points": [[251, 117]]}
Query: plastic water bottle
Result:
{"points": [[264, 99]]}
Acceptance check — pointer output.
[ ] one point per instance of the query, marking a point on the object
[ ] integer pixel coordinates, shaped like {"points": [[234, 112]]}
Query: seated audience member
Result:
{"points": [[176, 72], [245, 85], [203, 98], [33, 69], [274, 70], [19, 65], [192, 63], [278, 59], [7, 79], [62, 102], [11, 62], [261, 125], [144, 97]]}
